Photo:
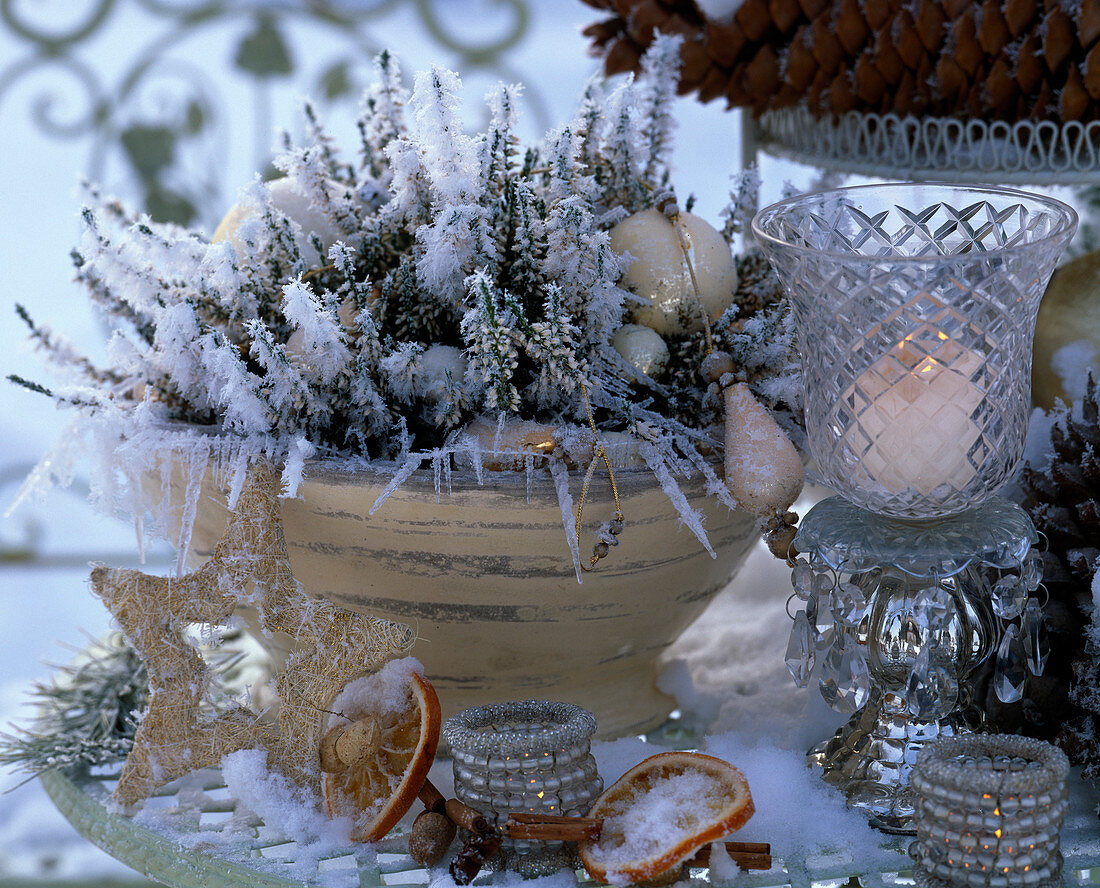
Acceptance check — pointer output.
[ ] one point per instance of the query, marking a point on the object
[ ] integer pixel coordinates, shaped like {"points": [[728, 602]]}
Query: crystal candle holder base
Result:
{"points": [[897, 617], [531, 756]]}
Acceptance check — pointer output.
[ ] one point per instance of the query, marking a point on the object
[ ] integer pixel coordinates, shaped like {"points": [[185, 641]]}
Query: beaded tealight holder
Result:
{"points": [[989, 809], [531, 756]]}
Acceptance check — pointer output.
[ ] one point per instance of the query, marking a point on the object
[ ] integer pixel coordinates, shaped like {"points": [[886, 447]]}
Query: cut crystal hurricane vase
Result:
{"points": [[916, 308]]}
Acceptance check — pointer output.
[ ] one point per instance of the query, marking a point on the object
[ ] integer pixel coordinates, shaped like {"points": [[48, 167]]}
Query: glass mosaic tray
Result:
{"points": [[188, 845]]}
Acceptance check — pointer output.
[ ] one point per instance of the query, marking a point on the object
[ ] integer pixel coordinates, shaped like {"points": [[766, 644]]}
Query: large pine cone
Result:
{"points": [[993, 60], [1064, 503]]}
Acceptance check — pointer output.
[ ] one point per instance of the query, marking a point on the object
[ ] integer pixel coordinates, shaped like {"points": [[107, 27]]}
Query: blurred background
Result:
{"points": [[174, 105]]}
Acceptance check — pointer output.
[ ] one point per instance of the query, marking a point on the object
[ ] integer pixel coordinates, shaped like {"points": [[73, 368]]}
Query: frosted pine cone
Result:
{"points": [[1064, 502], [994, 60]]}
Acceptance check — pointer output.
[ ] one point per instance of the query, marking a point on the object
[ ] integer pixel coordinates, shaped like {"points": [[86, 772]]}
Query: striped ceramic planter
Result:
{"points": [[484, 575]]}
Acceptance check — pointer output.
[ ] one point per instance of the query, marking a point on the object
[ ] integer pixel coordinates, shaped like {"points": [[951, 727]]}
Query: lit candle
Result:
{"points": [[914, 406]]}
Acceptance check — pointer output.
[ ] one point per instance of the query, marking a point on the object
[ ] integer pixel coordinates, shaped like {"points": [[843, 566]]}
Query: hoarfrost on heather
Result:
{"points": [[305, 331]]}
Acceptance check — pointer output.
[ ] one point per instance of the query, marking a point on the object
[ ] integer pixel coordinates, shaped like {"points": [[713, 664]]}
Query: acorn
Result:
{"points": [[430, 837], [330, 761]]}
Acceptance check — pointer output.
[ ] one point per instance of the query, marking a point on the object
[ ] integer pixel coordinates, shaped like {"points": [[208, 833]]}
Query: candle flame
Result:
{"points": [[927, 363]]}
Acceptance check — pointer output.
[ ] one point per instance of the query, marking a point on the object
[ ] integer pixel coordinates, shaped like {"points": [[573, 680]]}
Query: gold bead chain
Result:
{"points": [[601, 547]]}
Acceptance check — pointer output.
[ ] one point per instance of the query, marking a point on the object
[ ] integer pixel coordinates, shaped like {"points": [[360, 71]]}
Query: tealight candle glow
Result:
{"points": [[916, 431]]}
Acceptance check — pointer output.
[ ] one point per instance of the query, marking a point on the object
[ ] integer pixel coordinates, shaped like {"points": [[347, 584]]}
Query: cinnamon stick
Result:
{"points": [[462, 815], [552, 827], [466, 817], [432, 798], [749, 847], [747, 855]]}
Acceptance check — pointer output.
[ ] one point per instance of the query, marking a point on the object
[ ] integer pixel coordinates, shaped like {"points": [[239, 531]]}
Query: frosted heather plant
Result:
{"points": [[372, 307]]}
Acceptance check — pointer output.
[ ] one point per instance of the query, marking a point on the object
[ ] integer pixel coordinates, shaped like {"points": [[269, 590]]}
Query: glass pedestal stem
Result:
{"points": [[898, 618]]}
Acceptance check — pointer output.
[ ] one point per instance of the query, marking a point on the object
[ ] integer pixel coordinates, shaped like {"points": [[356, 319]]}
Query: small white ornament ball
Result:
{"points": [[288, 197], [643, 348], [659, 272], [435, 361], [295, 342]]}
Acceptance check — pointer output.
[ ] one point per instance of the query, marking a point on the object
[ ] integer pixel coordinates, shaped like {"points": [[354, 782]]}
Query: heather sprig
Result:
{"points": [[304, 328]]}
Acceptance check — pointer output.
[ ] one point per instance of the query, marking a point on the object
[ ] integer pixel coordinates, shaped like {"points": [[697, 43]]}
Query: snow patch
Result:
{"points": [[719, 10], [282, 804]]}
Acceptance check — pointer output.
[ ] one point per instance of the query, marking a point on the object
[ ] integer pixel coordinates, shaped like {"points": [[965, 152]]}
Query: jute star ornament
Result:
{"points": [[250, 565]]}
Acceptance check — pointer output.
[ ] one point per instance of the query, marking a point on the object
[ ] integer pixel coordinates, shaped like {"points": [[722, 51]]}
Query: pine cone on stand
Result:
{"points": [[1063, 500], [994, 60]]}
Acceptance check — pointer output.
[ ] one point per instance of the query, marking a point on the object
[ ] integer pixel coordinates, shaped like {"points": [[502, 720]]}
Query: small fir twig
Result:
{"points": [[30, 385], [86, 715]]}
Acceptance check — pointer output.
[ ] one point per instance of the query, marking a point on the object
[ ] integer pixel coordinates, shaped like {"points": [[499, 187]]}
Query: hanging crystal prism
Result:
{"points": [[802, 579], [813, 611], [1036, 646], [800, 650], [1011, 670], [848, 604], [824, 581], [1008, 597], [846, 681], [933, 688], [933, 610], [1031, 572]]}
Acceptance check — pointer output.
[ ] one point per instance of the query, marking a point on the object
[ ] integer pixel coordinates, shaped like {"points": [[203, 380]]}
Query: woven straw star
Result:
{"points": [[250, 564]]}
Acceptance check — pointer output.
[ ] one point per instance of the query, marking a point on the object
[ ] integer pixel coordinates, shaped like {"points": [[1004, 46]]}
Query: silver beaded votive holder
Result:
{"points": [[989, 808], [531, 756]]}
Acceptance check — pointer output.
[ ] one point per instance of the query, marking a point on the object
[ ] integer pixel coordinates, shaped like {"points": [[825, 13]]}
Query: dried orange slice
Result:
{"points": [[379, 747], [662, 811]]}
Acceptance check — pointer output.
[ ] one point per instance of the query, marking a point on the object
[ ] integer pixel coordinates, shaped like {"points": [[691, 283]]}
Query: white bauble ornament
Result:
{"points": [[643, 348], [763, 469], [288, 197], [296, 346], [659, 272], [1069, 315], [296, 341], [508, 447], [622, 449], [435, 362], [347, 313]]}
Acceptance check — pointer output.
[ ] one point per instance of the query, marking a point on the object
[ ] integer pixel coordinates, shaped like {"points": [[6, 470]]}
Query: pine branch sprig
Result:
{"points": [[88, 715]]}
